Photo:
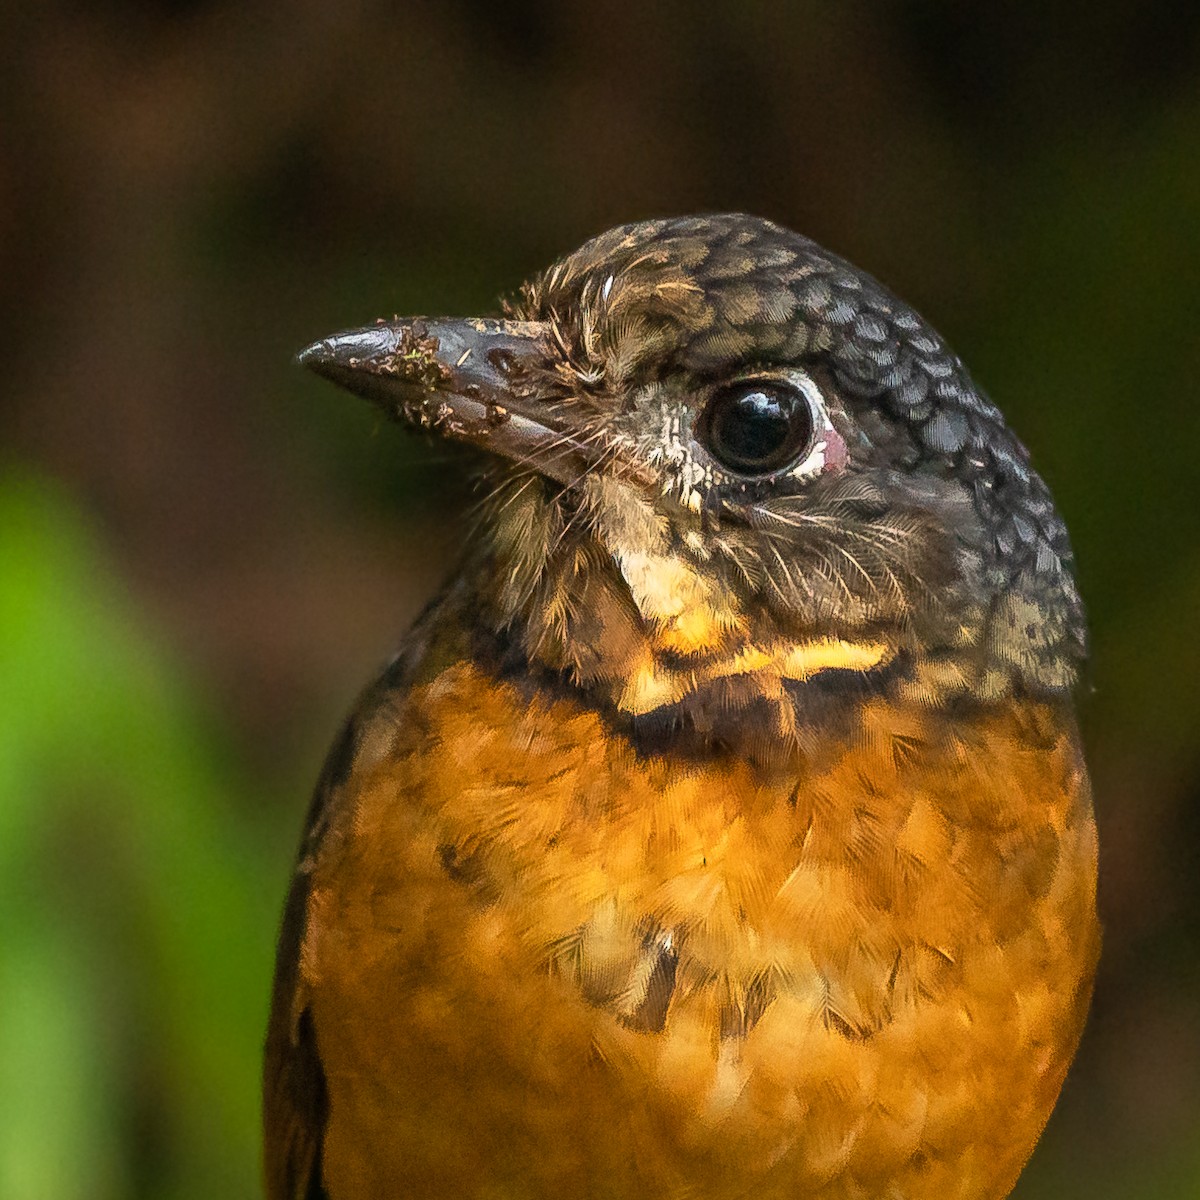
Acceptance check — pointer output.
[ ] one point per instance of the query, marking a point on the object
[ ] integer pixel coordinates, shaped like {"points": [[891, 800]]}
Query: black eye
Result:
{"points": [[757, 427]]}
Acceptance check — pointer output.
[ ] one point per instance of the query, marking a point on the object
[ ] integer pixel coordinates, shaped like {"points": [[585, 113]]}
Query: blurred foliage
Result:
{"points": [[136, 953], [203, 555]]}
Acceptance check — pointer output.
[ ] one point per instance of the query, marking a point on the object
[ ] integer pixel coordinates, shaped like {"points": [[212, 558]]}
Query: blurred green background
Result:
{"points": [[203, 553]]}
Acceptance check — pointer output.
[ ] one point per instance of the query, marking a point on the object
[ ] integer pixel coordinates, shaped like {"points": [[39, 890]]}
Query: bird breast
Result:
{"points": [[539, 956]]}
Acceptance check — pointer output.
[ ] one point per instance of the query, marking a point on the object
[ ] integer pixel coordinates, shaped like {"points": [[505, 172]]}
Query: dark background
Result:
{"points": [[203, 553]]}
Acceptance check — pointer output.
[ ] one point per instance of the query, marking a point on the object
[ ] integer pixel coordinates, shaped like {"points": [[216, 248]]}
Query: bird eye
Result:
{"points": [[757, 426]]}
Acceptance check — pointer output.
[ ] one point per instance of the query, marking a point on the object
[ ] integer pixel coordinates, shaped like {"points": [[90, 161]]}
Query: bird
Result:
{"points": [[722, 828]]}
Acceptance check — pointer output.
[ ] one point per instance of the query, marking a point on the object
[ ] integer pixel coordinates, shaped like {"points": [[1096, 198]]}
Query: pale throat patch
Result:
{"points": [[690, 616]]}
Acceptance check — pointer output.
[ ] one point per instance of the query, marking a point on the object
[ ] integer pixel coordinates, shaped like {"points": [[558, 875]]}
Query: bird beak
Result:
{"points": [[485, 382]]}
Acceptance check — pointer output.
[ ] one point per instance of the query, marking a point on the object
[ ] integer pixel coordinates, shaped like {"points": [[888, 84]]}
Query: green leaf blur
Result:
{"points": [[135, 969]]}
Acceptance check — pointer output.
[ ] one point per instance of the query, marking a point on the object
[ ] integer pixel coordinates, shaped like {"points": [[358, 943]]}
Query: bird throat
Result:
{"points": [[608, 596], [695, 639]]}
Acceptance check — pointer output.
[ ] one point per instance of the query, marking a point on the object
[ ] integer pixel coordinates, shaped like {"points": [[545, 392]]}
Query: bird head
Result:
{"points": [[734, 470]]}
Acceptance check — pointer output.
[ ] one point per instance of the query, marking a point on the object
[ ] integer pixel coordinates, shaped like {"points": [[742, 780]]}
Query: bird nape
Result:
{"points": [[721, 830]]}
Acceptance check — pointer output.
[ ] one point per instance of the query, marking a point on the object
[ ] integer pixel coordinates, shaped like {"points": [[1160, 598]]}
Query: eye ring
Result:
{"points": [[758, 427]]}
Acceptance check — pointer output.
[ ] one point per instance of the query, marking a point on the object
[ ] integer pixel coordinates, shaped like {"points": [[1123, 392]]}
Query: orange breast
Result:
{"points": [[540, 965]]}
